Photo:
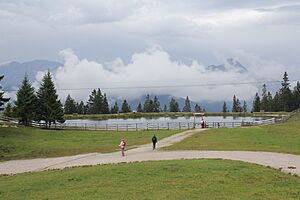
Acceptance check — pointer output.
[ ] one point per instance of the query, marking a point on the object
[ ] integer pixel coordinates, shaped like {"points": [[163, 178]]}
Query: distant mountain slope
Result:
{"points": [[229, 65], [14, 71]]}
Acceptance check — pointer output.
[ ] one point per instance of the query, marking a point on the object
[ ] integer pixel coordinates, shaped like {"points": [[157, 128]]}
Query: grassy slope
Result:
{"points": [[276, 138], [21, 143], [188, 179]]}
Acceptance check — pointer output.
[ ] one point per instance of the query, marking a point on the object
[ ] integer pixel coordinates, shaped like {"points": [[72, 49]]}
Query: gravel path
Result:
{"points": [[286, 162]]}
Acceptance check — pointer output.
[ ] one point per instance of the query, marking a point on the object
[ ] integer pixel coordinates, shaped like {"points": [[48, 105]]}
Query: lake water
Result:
{"points": [[208, 119]]}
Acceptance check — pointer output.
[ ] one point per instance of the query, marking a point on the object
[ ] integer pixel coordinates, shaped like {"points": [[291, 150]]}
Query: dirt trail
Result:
{"points": [[145, 153]]}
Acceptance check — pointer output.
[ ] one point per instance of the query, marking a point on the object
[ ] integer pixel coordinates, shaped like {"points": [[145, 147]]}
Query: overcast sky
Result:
{"points": [[115, 35]]}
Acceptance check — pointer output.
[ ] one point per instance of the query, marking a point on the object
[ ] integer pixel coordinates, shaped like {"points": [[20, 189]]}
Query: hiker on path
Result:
{"points": [[122, 145], [154, 141]]}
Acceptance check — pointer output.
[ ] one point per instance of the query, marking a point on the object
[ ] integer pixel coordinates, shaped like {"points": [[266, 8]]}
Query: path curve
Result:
{"points": [[286, 162]]}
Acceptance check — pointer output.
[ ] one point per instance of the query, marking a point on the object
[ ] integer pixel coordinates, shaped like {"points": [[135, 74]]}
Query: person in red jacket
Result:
{"points": [[122, 146]]}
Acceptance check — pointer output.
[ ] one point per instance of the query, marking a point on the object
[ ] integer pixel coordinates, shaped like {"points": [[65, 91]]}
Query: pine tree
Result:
{"points": [[2, 99], [165, 108], [156, 105], [147, 104], [224, 109], [125, 107], [70, 106], [174, 107], [187, 105], [197, 108], [139, 108], [276, 102], [256, 103], [90, 103], [105, 106], [115, 108], [50, 108], [285, 94], [26, 103], [244, 106], [296, 96], [264, 99], [238, 106], [234, 104], [81, 108], [270, 106]]}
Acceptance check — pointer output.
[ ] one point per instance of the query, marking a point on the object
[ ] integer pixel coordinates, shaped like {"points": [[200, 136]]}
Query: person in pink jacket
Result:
{"points": [[122, 145]]}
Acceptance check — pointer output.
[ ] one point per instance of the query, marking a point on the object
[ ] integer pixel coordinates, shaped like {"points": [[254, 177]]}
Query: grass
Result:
{"points": [[180, 179], [283, 138], [168, 114], [24, 143]]}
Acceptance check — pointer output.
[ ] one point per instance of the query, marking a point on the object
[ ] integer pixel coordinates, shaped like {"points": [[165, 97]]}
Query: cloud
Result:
{"points": [[153, 71]]}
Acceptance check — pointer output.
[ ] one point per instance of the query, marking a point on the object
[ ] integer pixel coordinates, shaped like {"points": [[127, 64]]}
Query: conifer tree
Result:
{"points": [[115, 108], [139, 108], [285, 94], [156, 105], [276, 102], [165, 108], [296, 96], [26, 103], [270, 106], [187, 105], [264, 99], [50, 108], [8, 111], [244, 106], [174, 107], [147, 104], [256, 103], [2, 99], [105, 106], [224, 109], [234, 104], [70, 106], [81, 108], [197, 108], [125, 107]]}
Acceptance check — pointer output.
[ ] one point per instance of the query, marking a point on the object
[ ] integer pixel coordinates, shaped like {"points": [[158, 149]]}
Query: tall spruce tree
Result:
{"points": [[270, 106], [115, 108], [296, 96], [2, 99], [50, 108], [256, 103], [156, 105], [234, 104], [264, 99], [147, 104], [285, 94], [70, 106], [165, 108], [276, 102], [224, 109], [245, 106], [174, 107], [139, 108], [125, 107], [105, 106], [81, 108], [238, 106], [187, 105], [26, 103]]}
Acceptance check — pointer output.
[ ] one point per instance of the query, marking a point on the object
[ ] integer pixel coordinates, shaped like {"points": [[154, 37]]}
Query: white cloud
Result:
{"points": [[153, 71]]}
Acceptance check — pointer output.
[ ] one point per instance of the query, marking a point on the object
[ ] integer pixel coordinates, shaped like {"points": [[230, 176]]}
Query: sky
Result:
{"points": [[129, 43]]}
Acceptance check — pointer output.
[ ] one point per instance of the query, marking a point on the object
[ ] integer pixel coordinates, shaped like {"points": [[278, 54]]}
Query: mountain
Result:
{"points": [[14, 72], [229, 65]]}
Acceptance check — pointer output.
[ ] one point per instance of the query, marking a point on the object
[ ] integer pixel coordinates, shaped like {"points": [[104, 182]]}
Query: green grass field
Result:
{"points": [[24, 143], [283, 138], [181, 179]]}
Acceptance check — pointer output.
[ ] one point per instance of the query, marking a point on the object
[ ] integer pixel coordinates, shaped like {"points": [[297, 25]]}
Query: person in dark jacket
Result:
{"points": [[154, 141]]}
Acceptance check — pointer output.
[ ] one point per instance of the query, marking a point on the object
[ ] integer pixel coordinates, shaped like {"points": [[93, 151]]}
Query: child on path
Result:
{"points": [[122, 145]]}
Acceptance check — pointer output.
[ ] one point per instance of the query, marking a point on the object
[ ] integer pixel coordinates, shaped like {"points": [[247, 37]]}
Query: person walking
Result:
{"points": [[122, 146], [154, 141]]}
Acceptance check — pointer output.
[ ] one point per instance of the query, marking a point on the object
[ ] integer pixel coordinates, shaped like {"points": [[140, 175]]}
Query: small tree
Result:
{"points": [[187, 105], [26, 102], [81, 108], [139, 108], [165, 108], [105, 107], [8, 111], [70, 106], [224, 109], [256, 103], [198, 108], [174, 107], [244, 106], [115, 108], [156, 105], [125, 107]]}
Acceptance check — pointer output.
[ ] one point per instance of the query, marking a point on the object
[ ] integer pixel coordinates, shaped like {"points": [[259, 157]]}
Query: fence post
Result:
{"points": [[95, 126], [85, 126], [179, 125], [136, 127], [147, 126], [126, 127], [168, 126], [188, 125], [117, 127], [106, 127], [157, 126], [232, 124]]}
